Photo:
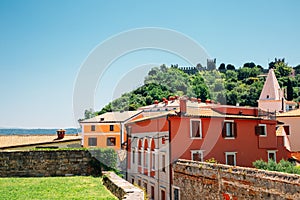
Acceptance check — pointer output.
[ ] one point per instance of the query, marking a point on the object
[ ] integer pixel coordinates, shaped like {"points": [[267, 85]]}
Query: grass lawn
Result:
{"points": [[76, 187]]}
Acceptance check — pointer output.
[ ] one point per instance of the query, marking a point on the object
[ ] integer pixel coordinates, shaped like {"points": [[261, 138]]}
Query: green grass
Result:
{"points": [[77, 187]]}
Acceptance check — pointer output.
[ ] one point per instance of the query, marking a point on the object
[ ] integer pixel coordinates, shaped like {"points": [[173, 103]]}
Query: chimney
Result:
{"points": [[171, 98], [166, 102], [60, 133], [182, 105], [199, 100], [207, 101], [155, 102]]}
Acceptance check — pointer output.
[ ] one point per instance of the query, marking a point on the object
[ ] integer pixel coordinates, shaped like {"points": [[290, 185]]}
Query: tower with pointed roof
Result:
{"points": [[272, 97]]}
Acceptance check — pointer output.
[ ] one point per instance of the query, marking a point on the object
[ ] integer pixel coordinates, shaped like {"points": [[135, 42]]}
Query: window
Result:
{"points": [[146, 158], [162, 195], [152, 192], [195, 129], [140, 157], [133, 155], [197, 155], [93, 127], [111, 141], [153, 161], [163, 162], [230, 158], [229, 129], [139, 182], [111, 127], [287, 129], [261, 130], [272, 155], [132, 180], [92, 142], [145, 187], [176, 193]]}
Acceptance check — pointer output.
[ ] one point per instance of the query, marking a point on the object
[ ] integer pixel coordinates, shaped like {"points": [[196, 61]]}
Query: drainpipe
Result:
{"points": [[158, 163], [170, 161]]}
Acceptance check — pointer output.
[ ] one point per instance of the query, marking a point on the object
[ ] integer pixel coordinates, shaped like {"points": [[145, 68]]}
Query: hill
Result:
{"points": [[226, 85]]}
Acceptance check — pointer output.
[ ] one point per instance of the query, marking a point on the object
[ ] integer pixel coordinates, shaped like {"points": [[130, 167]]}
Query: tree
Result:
{"points": [[230, 67], [249, 65], [289, 90], [297, 69], [222, 67], [89, 114]]}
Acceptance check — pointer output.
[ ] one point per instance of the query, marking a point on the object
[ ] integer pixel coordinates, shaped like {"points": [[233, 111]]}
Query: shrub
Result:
{"points": [[281, 166]]}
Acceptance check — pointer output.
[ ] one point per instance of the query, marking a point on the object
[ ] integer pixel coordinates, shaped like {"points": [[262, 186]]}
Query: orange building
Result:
{"points": [[229, 134], [107, 130]]}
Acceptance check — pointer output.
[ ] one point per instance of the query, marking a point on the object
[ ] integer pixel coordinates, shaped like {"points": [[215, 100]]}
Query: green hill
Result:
{"points": [[226, 85]]}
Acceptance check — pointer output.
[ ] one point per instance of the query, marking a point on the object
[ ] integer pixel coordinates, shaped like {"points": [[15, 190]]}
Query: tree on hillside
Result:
{"points": [[230, 67], [246, 72], [297, 69], [199, 88], [249, 65], [172, 78], [289, 90], [222, 67]]}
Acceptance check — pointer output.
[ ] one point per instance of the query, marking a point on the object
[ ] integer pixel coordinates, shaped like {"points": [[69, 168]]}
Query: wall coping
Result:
{"points": [[258, 173], [122, 188]]}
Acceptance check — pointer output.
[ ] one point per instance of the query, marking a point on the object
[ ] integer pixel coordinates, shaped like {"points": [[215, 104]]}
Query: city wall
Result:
{"points": [[199, 180]]}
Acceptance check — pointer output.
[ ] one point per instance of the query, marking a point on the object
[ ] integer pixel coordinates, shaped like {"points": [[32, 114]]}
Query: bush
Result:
{"points": [[281, 166], [107, 158]]}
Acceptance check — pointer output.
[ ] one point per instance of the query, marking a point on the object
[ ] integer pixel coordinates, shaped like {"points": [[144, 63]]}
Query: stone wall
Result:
{"points": [[121, 188], [198, 180], [47, 163]]}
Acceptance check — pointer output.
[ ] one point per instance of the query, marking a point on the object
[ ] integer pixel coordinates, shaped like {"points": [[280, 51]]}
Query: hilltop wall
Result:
{"points": [[199, 180]]}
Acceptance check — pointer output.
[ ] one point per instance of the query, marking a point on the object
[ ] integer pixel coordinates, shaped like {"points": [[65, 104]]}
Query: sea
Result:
{"points": [[37, 131]]}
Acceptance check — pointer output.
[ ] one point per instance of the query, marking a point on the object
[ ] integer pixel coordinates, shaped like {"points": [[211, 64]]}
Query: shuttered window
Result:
{"points": [[261, 130], [229, 129]]}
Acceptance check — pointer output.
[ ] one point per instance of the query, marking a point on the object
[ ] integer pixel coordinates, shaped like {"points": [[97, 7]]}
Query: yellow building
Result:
{"points": [[107, 130]]}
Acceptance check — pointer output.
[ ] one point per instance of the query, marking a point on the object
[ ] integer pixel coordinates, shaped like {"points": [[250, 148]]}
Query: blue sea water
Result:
{"points": [[20, 131]]}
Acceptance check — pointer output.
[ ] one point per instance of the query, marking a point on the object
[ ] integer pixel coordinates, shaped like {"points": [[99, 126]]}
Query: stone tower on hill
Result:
{"points": [[272, 97]]}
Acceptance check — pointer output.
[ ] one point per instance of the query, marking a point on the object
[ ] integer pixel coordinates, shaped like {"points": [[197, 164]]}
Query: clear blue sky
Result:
{"points": [[44, 43]]}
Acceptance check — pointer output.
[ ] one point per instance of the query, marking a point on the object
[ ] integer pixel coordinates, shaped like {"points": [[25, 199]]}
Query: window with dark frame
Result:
{"points": [[229, 129], [162, 195], [145, 187], [196, 131], [153, 161], [152, 192], [140, 157], [272, 155], [261, 130], [133, 156], [92, 141], [286, 129], [163, 157], [197, 156], [176, 194], [93, 127], [111, 141], [230, 159], [111, 128]]}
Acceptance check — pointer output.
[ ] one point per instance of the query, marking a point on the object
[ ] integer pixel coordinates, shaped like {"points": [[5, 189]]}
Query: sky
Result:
{"points": [[44, 44]]}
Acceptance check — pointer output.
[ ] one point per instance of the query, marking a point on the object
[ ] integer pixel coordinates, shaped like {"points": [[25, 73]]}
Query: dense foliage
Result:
{"points": [[107, 158], [282, 166], [227, 85]]}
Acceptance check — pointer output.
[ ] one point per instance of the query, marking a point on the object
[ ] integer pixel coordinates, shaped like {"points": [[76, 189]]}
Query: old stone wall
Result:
{"points": [[47, 163], [121, 188], [199, 180]]}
